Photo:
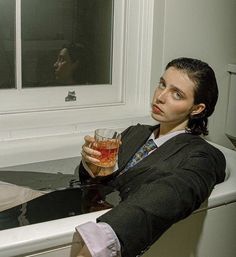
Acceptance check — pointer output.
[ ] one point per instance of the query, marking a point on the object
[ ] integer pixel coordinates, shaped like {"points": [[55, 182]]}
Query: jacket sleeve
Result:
{"points": [[151, 209]]}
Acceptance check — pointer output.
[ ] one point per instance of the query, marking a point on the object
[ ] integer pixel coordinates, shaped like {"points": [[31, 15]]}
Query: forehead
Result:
{"points": [[179, 79], [64, 53]]}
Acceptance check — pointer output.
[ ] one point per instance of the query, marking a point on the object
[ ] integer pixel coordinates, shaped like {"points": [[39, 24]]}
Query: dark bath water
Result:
{"points": [[60, 204]]}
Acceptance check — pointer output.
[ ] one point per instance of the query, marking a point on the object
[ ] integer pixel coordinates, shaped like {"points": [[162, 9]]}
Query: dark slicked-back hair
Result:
{"points": [[205, 91], [77, 54]]}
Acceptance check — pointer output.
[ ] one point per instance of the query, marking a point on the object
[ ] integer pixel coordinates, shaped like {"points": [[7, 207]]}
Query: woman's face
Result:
{"points": [[173, 100], [63, 66]]}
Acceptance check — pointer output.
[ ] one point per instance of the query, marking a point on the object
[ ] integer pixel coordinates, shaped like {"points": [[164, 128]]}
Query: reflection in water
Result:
{"points": [[22, 219], [60, 204]]}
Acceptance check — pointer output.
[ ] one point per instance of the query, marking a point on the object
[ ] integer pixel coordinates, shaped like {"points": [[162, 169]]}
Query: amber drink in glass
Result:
{"points": [[107, 142]]}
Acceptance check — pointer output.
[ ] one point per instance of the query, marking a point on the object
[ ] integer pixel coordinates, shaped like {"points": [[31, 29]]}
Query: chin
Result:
{"points": [[156, 117]]}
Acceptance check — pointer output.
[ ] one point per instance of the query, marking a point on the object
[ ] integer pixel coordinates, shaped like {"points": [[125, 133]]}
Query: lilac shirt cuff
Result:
{"points": [[100, 239]]}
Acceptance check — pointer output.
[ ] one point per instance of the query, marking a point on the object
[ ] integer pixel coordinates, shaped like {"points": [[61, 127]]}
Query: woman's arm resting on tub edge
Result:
{"points": [[137, 221], [141, 218], [140, 222]]}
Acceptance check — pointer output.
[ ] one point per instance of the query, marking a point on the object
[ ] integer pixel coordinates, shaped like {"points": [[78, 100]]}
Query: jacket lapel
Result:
{"points": [[140, 136], [172, 146], [132, 143]]}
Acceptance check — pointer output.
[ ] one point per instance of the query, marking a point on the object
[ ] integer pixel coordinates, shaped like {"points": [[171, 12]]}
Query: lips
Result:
{"points": [[156, 109]]}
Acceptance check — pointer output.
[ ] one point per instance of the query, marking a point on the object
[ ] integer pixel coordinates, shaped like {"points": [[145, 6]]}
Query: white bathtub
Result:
{"points": [[209, 232]]}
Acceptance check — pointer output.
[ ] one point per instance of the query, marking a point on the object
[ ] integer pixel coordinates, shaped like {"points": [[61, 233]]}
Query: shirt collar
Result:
{"points": [[161, 140]]}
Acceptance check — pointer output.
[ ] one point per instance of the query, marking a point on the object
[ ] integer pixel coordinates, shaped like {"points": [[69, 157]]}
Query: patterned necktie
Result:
{"points": [[141, 154]]}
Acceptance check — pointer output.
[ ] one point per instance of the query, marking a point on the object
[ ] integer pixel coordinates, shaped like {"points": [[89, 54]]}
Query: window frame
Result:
{"points": [[53, 98], [134, 78]]}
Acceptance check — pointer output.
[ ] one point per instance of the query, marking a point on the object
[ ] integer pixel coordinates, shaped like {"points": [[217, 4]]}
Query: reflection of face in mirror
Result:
{"points": [[67, 65]]}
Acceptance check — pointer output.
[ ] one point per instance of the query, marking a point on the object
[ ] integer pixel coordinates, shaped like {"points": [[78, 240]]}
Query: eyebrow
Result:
{"points": [[162, 79], [173, 86]]}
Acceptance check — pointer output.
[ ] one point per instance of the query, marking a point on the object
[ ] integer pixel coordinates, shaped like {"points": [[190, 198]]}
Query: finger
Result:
{"points": [[89, 158], [88, 140], [90, 155], [87, 150]]}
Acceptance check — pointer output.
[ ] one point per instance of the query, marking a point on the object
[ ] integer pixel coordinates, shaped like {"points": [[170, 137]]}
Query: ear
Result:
{"points": [[198, 108]]}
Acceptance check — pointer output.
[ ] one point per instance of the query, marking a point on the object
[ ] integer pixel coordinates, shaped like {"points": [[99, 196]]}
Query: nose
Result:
{"points": [[161, 96], [55, 65]]}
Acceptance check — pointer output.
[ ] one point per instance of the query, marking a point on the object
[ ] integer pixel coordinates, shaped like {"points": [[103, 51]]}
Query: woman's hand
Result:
{"points": [[84, 252], [91, 157], [88, 153]]}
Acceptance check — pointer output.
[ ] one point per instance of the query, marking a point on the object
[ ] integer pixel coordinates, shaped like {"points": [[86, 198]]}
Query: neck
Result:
{"points": [[168, 128]]}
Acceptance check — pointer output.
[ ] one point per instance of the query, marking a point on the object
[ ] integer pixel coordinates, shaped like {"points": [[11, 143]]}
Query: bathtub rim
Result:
{"points": [[35, 237]]}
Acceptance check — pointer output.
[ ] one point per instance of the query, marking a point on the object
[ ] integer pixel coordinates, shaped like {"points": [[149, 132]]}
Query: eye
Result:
{"points": [[161, 85], [177, 95]]}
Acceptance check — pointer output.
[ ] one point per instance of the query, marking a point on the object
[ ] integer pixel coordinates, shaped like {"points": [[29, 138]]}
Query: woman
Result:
{"points": [[174, 179], [67, 68]]}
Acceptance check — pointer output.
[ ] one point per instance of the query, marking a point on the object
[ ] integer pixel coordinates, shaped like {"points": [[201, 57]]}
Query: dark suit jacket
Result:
{"points": [[162, 189]]}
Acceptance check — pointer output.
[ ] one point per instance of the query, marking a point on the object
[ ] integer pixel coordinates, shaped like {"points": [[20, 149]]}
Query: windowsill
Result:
{"points": [[58, 144]]}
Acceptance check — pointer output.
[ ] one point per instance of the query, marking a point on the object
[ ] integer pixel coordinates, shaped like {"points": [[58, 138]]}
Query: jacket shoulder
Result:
{"points": [[198, 146]]}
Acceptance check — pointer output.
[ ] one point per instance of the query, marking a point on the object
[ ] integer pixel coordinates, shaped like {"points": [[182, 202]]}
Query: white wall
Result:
{"points": [[203, 29]]}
